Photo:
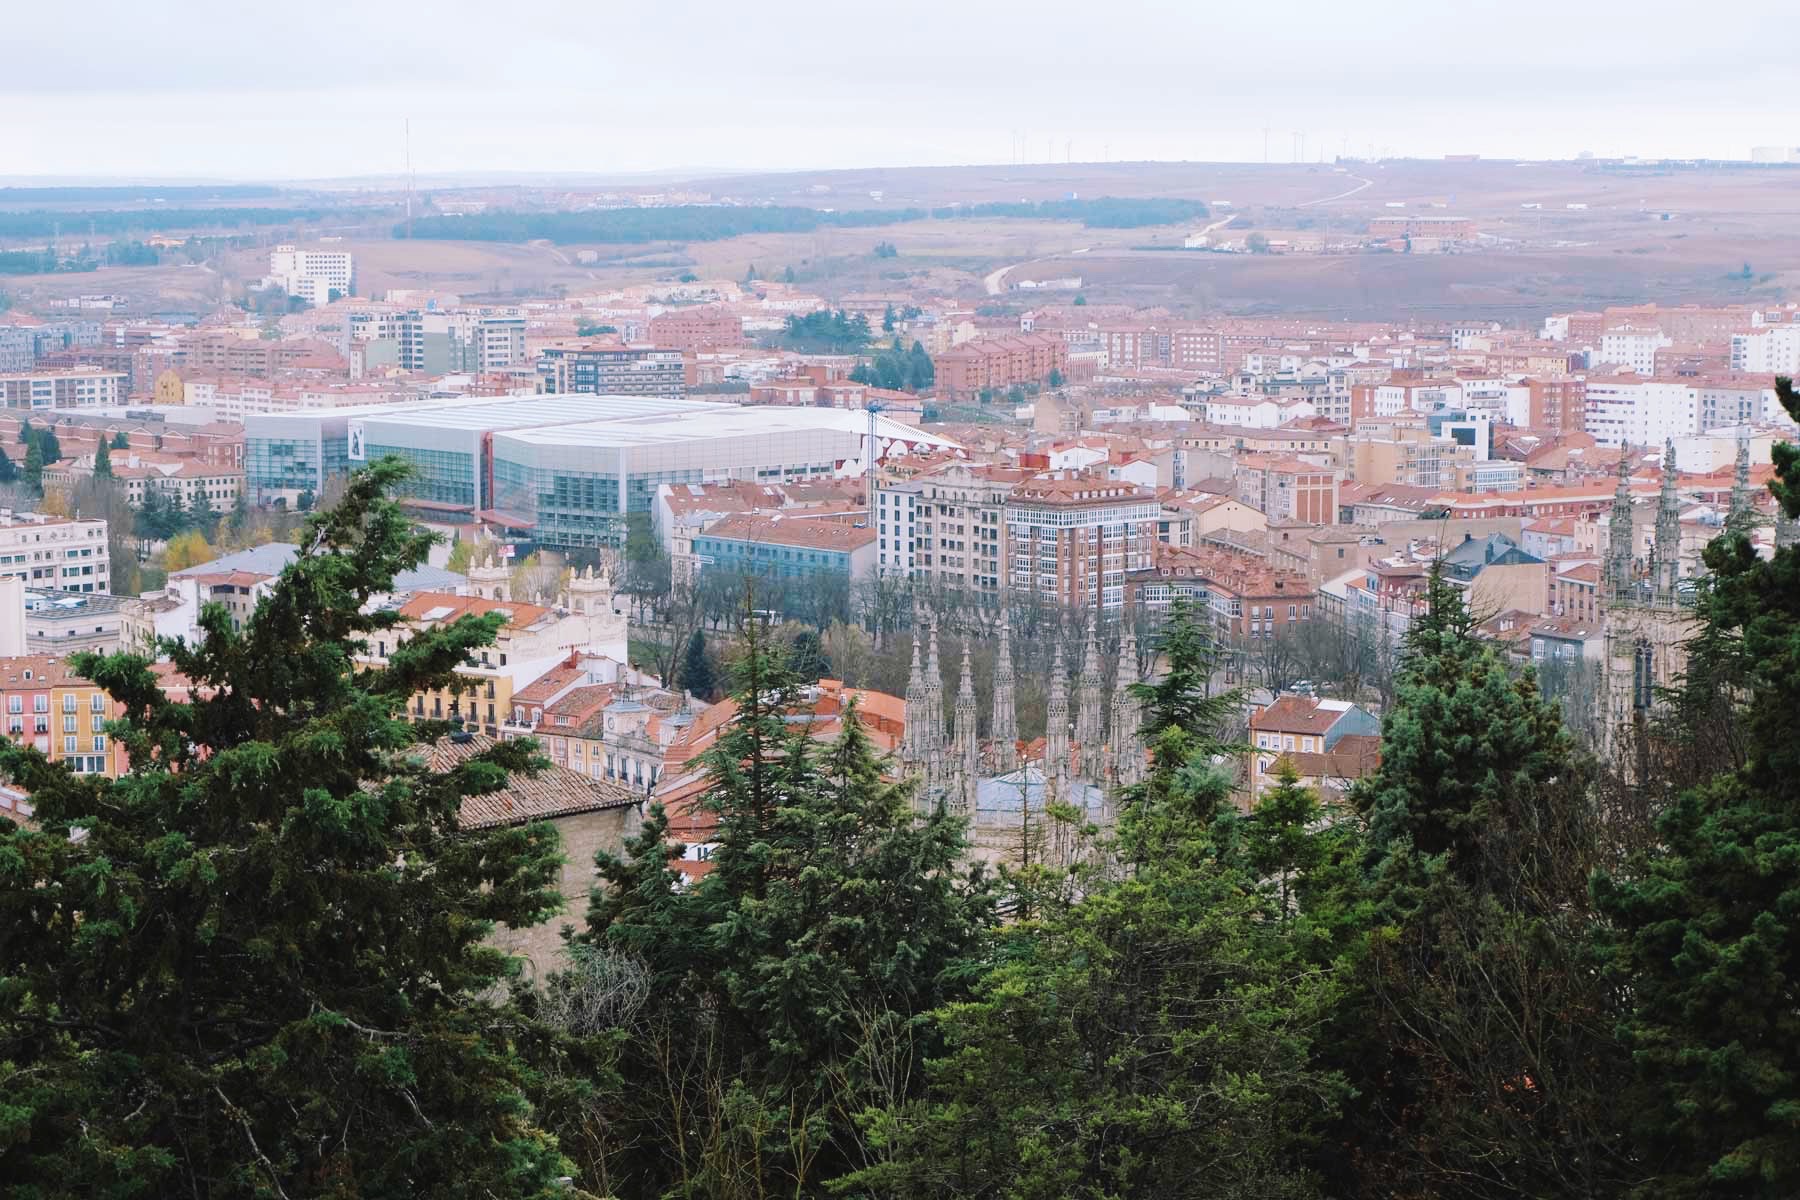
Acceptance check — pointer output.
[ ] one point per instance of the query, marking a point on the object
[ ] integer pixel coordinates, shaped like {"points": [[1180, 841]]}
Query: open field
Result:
{"points": [[1671, 234]]}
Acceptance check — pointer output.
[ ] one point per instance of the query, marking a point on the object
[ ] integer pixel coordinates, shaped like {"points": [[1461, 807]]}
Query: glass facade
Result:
{"points": [[444, 476], [273, 464], [569, 507]]}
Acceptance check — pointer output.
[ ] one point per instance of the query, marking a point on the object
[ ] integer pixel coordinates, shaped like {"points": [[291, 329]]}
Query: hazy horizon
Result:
{"points": [[215, 91]]}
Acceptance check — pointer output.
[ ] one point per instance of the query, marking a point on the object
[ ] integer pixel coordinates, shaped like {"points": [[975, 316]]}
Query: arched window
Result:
{"points": [[1643, 675]]}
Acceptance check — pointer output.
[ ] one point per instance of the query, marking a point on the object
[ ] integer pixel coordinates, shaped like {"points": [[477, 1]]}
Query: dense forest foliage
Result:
{"points": [[1493, 968], [706, 223]]}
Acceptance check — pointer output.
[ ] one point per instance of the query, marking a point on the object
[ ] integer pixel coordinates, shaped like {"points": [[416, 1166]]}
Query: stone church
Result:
{"points": [[1003, 786]]}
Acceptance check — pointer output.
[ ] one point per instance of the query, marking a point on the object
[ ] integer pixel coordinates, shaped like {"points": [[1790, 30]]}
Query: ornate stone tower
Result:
{"points": [[1668, 531], [912, 738], [1127, 717], [1618, 533], [1056, 730], [1743, 501], [590, 596], [933, 745], [1645, 627], [1090, 718], [491, 579], [966, 761], [1003, 728]]}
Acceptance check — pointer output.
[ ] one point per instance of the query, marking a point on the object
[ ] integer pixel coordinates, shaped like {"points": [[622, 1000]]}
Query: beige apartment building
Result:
{"points": [[69, 554], [948, 528], [1406, 454]]}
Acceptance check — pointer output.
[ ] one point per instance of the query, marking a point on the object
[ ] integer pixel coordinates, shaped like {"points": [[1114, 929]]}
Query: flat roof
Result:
{"points": [[715, 421], [562, 409]]}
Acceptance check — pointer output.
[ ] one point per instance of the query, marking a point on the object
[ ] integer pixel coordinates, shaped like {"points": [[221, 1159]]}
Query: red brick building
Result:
{"points": [[709, 328], [1557, 405], [998, 363], [1247, 598], [1072, 539]]}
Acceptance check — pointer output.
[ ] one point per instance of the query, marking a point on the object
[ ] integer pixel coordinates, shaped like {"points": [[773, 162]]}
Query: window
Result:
{"points": [[69, 723], [40, 703], [69, 745], [15, 704], [99, 743], [96, 723], [68, 703]]}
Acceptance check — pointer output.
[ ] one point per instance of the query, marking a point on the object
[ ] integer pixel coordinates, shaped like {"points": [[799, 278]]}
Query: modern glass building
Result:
{"points": [[565, 469]]}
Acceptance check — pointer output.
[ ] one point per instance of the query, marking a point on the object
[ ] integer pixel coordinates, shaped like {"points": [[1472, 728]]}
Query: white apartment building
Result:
{"points": [[54, 552], [896, 520], [1256, 412], [1641, 412], [76, 387], [947, 527], [1629, 346], [1727, 403], [1769, 350], [312, 275]]}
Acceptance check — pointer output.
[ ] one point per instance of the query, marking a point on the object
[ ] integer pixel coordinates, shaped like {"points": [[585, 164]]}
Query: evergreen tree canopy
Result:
{"points": [[834, 916], [254, 965], [103, 462], [1465, 742], [697, 675], [1707, 938]]}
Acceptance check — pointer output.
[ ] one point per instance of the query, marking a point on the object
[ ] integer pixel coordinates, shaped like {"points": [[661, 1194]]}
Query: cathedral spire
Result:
{"points": [[1743, 503], [1127, 747], [1618, 531], [1004, 721], [912, 743], [933, 745], [1090, 695], [1668, 528], [967, 758], [1056, 728]]}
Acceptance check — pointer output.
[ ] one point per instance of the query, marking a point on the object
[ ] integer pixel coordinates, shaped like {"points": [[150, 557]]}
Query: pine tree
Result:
{"points": [[120, 441], [696, 675], [807, 658], [1707, 939], [832, 914], [34, 467], [259, 969], [1465, 742], [1474, 909], [103, 462], [9, 471]]}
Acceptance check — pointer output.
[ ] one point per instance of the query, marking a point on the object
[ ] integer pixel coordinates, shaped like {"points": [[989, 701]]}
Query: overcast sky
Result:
{"points": [[321, 88]]}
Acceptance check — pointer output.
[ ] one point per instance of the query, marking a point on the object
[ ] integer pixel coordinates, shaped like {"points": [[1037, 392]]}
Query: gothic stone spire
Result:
{"points": [[912, 745], [1056, 727], [1618, 531], [1127, 746], [1090, 720], [1668, 528], [967, 760], [1004, 722]]}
